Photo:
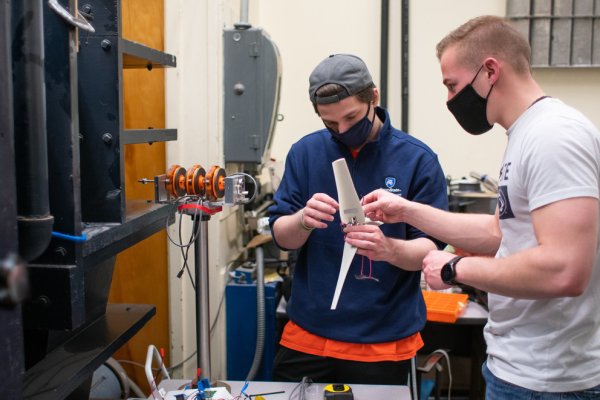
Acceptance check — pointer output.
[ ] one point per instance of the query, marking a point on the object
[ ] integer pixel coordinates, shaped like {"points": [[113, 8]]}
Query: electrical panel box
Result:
{"points": [[252, 76], [241, 330]]}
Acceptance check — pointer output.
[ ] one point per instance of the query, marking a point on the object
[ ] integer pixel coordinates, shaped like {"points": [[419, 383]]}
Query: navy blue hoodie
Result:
{"points": [[368, 311]]}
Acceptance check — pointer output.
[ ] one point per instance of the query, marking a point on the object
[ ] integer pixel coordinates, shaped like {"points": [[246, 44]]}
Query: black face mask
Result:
{"points": [[357, 134], [469, 109]]}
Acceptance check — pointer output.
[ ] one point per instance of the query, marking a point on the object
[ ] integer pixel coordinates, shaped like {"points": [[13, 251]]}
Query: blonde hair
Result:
{"points": [[488, 36]]}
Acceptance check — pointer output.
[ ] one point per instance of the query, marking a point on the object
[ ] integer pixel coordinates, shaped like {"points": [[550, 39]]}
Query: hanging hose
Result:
{"points": [[260, 313]]}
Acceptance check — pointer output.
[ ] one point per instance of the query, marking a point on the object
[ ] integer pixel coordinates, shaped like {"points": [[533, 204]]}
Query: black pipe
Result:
{"points": [[385, 33], [404, 62], [29, 91], [8, 187]]}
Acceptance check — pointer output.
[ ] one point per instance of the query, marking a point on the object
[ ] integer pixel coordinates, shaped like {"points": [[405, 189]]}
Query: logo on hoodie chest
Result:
{"points": [[390, 183]]}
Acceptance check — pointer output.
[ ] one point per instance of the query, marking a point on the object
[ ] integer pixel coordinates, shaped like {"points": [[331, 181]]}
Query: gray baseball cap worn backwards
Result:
{"points": [[346, 70]]}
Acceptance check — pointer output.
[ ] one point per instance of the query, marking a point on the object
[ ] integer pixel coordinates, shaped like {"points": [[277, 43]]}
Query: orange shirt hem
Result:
{"points": [[296, 338]]}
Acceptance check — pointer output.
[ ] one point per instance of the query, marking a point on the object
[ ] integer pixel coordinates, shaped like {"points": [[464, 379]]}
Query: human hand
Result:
{"points": [[432, 267], [381, 205], [370, 241], [320, 207]]}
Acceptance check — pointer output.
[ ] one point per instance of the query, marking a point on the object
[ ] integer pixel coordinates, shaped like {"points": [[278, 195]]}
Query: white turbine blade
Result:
{"points": [[350, 211], [349, 252], [350, 206]]}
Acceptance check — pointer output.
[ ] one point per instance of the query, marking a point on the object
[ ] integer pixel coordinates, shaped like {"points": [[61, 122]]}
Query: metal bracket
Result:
{"points": [[78, 21], [235, 192]]}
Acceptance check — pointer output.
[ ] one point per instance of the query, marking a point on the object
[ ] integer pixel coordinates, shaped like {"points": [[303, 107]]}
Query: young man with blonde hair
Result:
{"points": [[543, 331]]}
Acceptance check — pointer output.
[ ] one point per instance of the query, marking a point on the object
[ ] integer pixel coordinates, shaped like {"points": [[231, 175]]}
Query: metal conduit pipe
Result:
{"points": [[260, 313], [383, 67], [404, 62], [31, 148], [202, 304], [243, 24]]}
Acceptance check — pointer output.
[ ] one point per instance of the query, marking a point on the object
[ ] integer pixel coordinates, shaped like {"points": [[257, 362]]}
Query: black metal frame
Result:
{"points": [[66, 325], [102, 57], [11, 356]]}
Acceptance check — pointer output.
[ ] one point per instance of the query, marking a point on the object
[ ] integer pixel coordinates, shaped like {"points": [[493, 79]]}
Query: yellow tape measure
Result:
{"points": [[337, 391]]}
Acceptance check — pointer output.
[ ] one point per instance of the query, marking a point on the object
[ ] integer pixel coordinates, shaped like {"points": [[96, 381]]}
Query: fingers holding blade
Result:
{"points": [[384, 206], [320, 207], [370, 241]]}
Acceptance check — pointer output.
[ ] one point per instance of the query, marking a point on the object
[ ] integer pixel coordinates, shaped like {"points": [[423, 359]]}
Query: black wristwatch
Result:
{"points": [[448, 271]]}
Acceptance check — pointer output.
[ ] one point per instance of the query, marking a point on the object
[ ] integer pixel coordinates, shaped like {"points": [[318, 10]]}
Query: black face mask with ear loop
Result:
{"points": [[470, 109], [358, 133]]}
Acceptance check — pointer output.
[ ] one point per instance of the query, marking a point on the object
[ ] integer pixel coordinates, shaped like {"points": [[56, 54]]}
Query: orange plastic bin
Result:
{"points": [[444, 307]]}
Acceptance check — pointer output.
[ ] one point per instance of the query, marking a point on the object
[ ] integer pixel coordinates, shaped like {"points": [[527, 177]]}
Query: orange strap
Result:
{"points": [[296, 338]]}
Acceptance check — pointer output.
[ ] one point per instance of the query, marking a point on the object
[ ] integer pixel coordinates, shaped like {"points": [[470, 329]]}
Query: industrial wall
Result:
{"points": [[194, 98], [306, 32]]}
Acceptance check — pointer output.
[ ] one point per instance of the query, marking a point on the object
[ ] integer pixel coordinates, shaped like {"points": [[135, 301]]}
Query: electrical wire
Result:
{"points": [[221, 302], [198, 209], [212, 328], [184, 248], [72, 238], [170, 370], [180, 364], [137, 364], [172, 210], [303, 385], [153, 385], [184, 253], [447, 357], [136, 389]]}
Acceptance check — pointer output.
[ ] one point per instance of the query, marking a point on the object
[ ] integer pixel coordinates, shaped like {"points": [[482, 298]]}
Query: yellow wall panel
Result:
{"points": [[141, 271]]}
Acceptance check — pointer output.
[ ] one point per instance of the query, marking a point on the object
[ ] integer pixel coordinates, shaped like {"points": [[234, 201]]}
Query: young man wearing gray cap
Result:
{"points": [[373, 333]]}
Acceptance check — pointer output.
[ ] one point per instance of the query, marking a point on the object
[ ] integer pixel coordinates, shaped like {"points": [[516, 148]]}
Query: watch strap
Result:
{"points": [[452, 265]]}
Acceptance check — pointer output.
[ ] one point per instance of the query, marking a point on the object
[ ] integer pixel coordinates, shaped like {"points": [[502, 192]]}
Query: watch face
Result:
{"points": [[447, 274]]}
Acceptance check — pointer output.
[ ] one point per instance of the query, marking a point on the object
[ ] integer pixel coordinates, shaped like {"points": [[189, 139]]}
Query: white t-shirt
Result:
{"points": [[550, 345]]}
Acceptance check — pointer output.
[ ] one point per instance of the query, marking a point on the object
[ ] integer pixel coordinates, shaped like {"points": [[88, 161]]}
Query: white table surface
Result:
{"points": [[314, 392]]}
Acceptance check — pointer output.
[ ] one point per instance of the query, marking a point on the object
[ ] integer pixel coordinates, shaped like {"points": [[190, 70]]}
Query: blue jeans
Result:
{"points": [[497, 389]]}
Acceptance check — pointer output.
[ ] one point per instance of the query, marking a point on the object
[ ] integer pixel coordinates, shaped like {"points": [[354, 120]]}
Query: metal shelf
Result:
{"points": [[69, 365], [133, 136], [136, 55], [142, 220]]}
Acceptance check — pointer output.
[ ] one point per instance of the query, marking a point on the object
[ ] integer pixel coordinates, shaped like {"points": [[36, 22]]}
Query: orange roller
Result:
{"points": [[215, 183], [195, 180], [176, 180]]}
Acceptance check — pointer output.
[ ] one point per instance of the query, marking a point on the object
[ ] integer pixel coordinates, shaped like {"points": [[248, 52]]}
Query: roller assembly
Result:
{"points": [[197, 185]]}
